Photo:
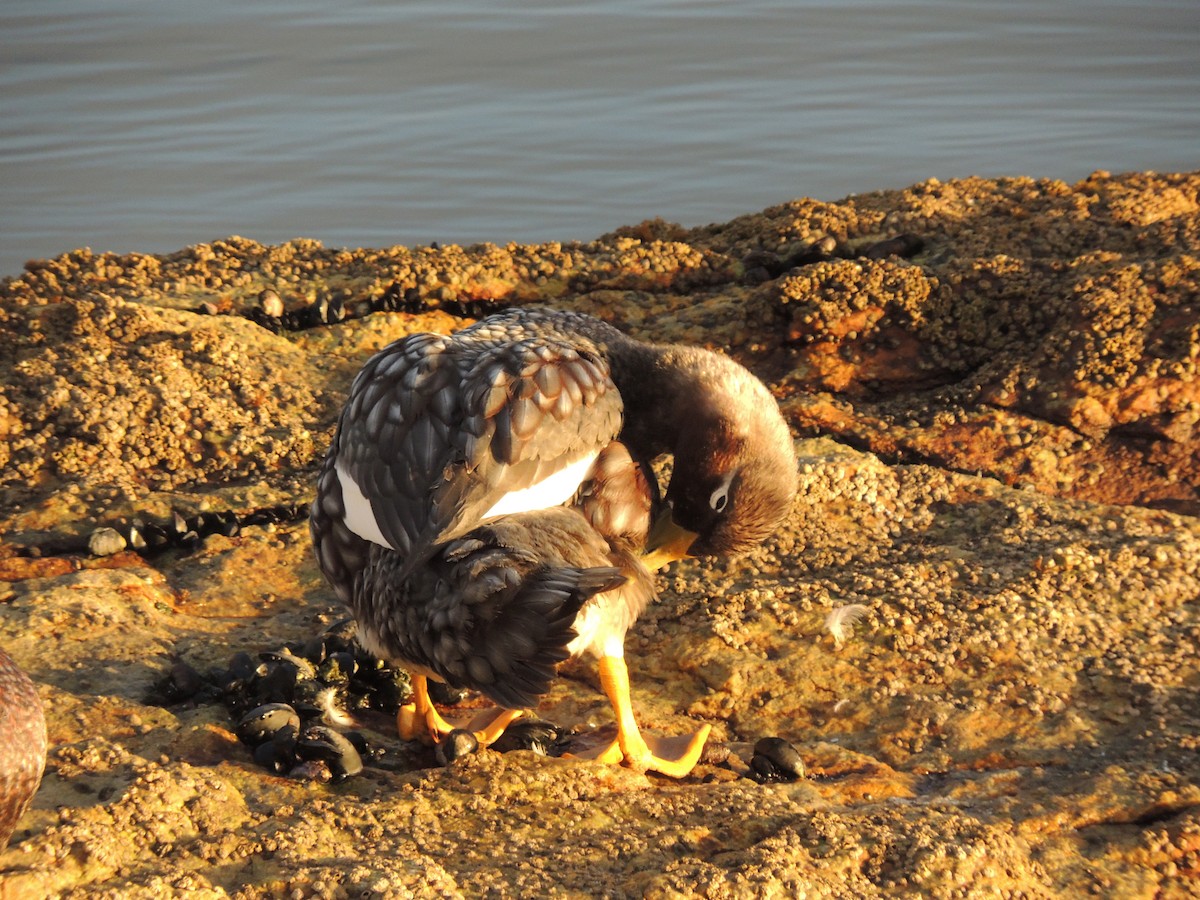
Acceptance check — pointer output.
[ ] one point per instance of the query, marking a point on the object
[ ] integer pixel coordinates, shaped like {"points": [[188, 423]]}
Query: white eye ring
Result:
{"points": [[719, 499]]}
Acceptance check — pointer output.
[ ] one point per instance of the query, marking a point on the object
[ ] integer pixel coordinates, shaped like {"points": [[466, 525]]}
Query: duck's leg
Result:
{"points": [[674, 757], [419, 719]]}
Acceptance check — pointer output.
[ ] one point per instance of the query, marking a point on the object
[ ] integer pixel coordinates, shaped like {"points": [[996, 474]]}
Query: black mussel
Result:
{"points": [[776, 760], [367, 751], [287, 657], [273, 758], [457, 744], [368, 667], [285, 738], [338, 668], [358, 701], [262, 722], [387, 695], [314, 650], [763, 770], [339, 636], [206, 523], [242, 669], [225, 523], [184, 682], [178, 523], [810, 253], [334, 311], [157, 537], [760, 265], [529, 734], [275, 684], [319, 742], [135, 537]]}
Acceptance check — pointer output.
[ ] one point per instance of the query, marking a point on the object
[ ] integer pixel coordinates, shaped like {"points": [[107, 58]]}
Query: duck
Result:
{"points": [[487, 507], [22, 744]]}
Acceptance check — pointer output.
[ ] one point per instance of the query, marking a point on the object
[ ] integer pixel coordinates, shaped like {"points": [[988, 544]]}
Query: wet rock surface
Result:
{"points": [[994, 390]]}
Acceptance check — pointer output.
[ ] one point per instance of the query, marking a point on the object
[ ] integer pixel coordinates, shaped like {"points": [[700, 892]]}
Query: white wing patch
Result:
{"points": [[553, 490], [360, 517]]}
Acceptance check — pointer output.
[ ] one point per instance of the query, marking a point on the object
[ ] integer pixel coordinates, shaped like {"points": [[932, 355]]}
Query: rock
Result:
{"points": [[106, 542], [270, 303], [996, 425]]}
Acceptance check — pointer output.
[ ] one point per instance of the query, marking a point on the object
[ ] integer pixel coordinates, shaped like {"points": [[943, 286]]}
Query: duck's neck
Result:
{"points": [[664, 387]]}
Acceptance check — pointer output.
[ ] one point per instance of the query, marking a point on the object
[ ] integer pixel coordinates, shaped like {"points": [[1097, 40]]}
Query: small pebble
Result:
{"points": [[271, 303], [106, 542]]}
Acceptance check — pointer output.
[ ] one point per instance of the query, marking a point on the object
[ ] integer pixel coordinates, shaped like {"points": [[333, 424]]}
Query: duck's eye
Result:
{"points": [[720, 498]]}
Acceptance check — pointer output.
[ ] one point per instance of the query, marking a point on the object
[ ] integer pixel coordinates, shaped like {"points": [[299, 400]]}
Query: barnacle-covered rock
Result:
{"points": [[1010, 489]]}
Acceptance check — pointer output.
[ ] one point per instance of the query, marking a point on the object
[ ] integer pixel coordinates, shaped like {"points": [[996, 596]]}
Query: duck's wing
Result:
{"points": [[441, 433]]}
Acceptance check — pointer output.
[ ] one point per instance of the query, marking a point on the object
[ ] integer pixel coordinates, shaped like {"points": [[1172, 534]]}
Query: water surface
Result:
{"points": [[155, 124]]}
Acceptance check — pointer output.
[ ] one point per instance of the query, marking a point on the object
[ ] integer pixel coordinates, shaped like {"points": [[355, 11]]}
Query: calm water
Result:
{"points": [[155, 124]]}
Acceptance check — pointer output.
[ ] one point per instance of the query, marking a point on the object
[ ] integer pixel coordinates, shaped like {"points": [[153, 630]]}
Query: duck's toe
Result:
{"points": [[673, 756], [421, 721]]}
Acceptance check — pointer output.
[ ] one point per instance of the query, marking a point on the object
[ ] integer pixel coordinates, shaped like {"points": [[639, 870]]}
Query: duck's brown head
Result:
{"points": [[734, 475]]}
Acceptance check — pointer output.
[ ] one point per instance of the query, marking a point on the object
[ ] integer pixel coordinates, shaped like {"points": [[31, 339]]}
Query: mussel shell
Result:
{"points": [[261, 723], [287, 657], [285, 738], [226, 524], [183, 683], [387, 689], [775, 758], [457, 744], [320, 742], [135, 537], [529, 734], [275, 685], [338, 668], [274, 758], [315, 650], [233, 681], [156, 537]]}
